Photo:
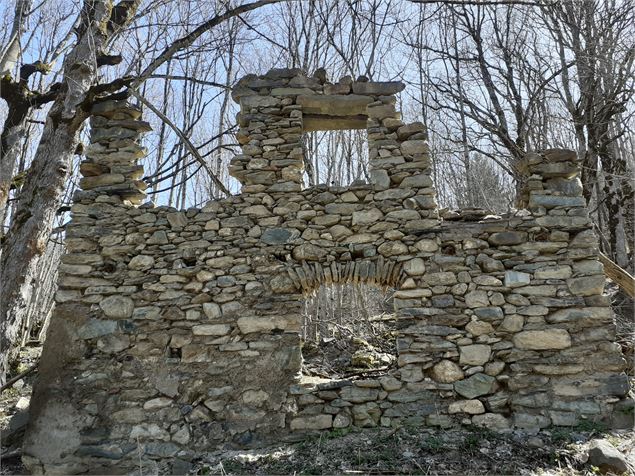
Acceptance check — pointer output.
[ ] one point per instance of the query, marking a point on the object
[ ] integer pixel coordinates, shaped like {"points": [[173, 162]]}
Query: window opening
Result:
{"points": [[337, 157], [349, 330]]}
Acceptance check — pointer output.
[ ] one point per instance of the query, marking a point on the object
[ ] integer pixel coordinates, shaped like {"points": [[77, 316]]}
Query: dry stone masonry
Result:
{"points": [[177, 331]]}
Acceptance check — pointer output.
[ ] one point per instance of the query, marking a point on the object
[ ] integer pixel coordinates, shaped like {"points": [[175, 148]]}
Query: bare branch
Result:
{"points": [[480, 2], [11, 52], [190, 38], [184, 138], [173, 77], [109, 60]]}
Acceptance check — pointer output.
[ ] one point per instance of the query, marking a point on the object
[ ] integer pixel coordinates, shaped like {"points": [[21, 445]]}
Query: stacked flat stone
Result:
{"points": [[278, 107], [270, 134], [111, 166], [553, 191], [177, 331]]}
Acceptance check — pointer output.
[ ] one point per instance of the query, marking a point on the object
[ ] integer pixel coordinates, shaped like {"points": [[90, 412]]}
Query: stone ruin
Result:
{"points": [[176, 332]]}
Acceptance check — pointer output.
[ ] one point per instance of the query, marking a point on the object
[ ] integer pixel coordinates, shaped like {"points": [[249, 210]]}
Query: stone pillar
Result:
{"points": [[552, 190], [78, 383], [270, 133], [111, 166], [584, 374], [399, 158]]}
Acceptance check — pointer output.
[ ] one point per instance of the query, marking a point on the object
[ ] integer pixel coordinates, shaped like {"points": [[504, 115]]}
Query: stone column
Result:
{"points": [[270, 133], [399, 155], [553, 190], [110, 186], [585, 373], [111, 166], [79, 379]]}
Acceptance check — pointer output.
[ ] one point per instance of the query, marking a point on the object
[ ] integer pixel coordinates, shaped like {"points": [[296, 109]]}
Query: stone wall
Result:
{"points": [[178, 331]]}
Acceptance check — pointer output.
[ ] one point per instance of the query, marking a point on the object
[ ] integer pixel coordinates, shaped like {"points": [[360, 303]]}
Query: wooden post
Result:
{"points": [[619, 275]]}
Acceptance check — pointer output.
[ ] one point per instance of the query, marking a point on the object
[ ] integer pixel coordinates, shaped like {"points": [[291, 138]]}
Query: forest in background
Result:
{"points": [[491, 81]]}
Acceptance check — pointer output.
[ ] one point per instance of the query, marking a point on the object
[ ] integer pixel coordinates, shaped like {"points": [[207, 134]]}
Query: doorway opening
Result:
{"points": [[348, 331]]}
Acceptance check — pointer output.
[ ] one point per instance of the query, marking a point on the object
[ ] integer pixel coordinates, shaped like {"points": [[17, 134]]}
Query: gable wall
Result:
{"points": [[178, 331]]}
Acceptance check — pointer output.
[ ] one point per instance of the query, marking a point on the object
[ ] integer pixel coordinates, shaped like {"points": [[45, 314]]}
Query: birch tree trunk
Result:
{"points": [[13, 130], [40, 197]]}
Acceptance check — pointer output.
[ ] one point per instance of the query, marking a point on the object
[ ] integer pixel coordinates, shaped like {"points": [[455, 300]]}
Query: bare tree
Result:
{"points": [[599, 37]]}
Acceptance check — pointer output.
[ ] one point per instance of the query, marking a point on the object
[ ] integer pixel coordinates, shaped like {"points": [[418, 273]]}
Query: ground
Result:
{"points": [[353, 356], [14, 402], [432, 452]]}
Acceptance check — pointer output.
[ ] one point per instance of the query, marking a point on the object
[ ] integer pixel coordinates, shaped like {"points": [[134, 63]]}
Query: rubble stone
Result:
{"points": [[183, 328]]}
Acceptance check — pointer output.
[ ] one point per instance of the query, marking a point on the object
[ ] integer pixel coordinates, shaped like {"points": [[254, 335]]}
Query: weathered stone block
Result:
{"points": [[380, 179], [584, 317], [475, 386], [414, 147], [392, 248], [316, 422], [477, 328], [512, 323], [141, 262], [378, 88], [356, 394], [607, 458], [212, 310], [543, 340], [514, 279], [476, 354], [525, 420], [440, 278], [211, 329], [507, 238], [476, 299], [586, 286], [491, 421], [416, 181], [552, 201], [367, 217], [446, 371], [308, 252], [194, 353], [119, 307], [348, 105], [414, 267], [471, 407], [279, 236], [96, 328]]}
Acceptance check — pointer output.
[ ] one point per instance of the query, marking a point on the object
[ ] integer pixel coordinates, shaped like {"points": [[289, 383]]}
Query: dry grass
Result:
{"points": [[421, 451]]}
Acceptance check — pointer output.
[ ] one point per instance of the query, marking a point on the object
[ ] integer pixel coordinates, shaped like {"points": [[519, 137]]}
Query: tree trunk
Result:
{"points": [[9, 152], [18, 98], [27, 238], [42, 192], [618, 196]]}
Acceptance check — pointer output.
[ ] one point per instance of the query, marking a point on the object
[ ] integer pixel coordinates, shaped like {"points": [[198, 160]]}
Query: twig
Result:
{"points": [[20, 376], [189, 39], [480, 2], [364, 372], [186, 142]]}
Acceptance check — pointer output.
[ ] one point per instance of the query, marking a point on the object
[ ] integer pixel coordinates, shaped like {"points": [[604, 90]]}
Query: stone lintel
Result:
{"points": [[320, 122], [349, 105]]}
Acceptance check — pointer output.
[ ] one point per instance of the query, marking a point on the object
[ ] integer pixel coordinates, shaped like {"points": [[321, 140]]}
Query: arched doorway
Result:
{"points": [[348, 330]]}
